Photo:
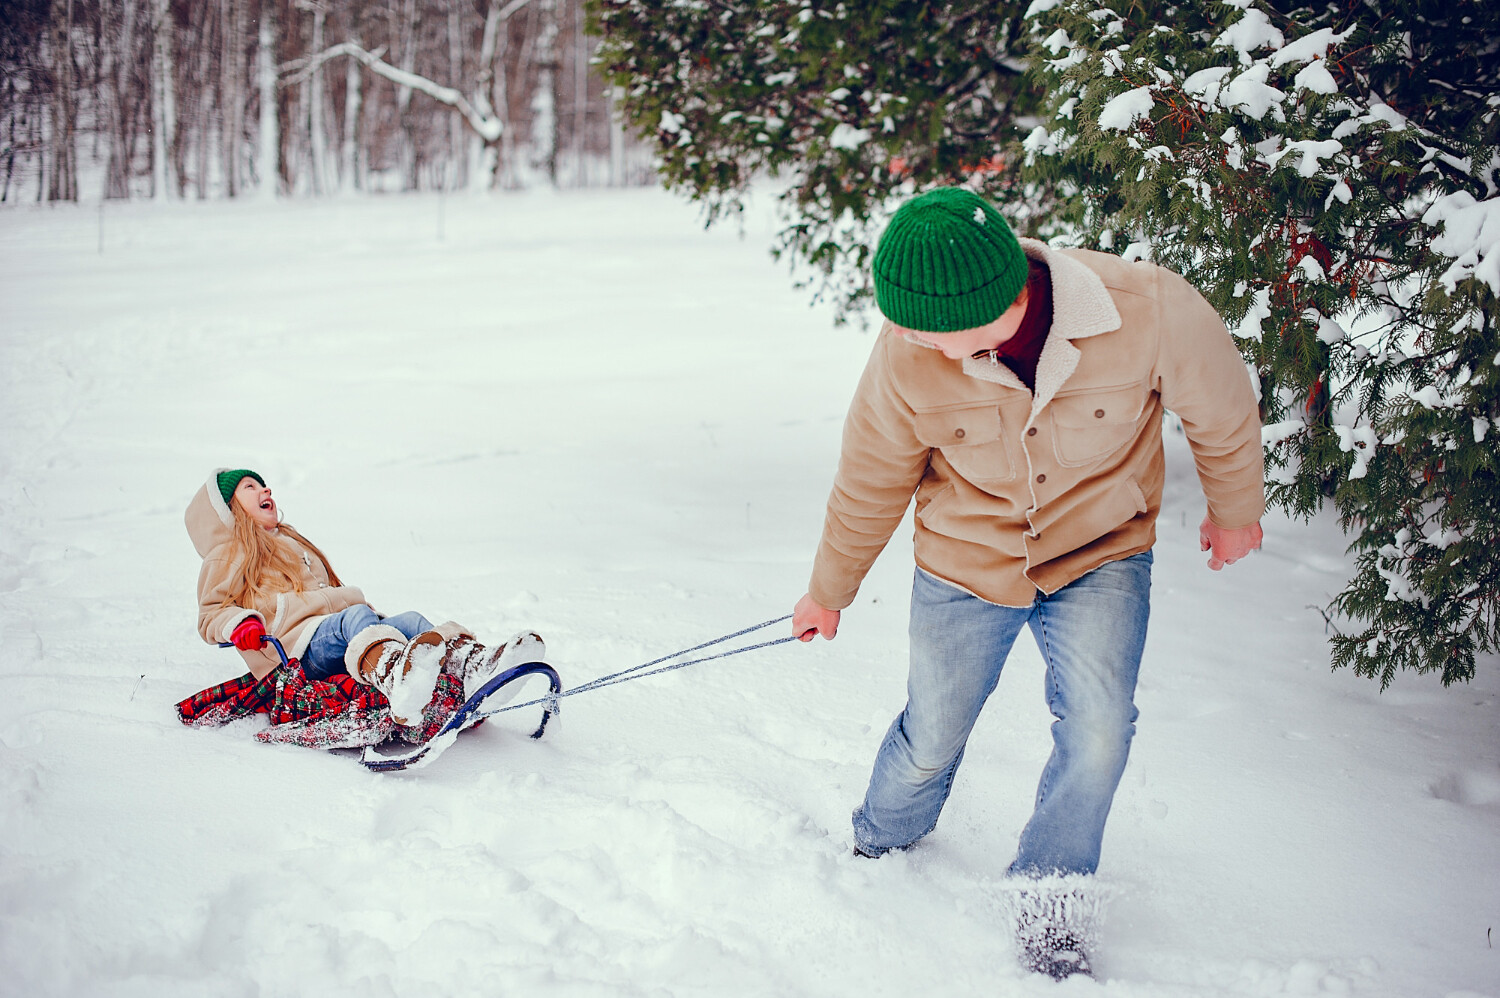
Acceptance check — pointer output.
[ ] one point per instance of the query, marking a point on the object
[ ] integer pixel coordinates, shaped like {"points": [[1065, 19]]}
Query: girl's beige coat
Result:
{"points": [[290, 616], [1018, 492]]}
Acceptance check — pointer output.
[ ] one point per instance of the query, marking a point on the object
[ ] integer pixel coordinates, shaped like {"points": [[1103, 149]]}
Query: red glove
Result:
{"points": [[249, 635]]}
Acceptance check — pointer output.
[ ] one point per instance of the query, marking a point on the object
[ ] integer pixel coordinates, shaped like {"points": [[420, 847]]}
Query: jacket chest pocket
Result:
{"points": [[1093, 424], [970, 438]]}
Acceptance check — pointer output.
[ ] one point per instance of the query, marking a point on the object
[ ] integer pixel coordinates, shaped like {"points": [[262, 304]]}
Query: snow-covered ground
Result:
{"points": [[584, 414]]}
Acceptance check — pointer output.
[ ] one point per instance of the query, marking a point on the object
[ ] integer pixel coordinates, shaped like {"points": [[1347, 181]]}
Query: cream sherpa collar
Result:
{"points": [[1081, 307]]}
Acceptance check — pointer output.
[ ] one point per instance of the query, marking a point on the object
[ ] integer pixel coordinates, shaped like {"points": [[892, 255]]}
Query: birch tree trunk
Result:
{"points": [[268, 156], [317, 137], [403, 98], [351, 174], [544, 100], [505, 156], [616, 139], [482, 153], [163, 102]]}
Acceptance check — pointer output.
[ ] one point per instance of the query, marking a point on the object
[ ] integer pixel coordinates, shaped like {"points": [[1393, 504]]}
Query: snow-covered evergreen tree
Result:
{"points": [[853, 104], [1327, 175]]}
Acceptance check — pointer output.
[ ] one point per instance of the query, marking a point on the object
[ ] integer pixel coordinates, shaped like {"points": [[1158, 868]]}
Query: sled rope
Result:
{"points": [[635, 671]]}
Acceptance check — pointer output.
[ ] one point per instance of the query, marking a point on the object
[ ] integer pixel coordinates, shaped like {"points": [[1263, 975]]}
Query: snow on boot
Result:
{"points": [[369, 649], [481, 664], [1055, 952], [405, 671], [1056, 928]]}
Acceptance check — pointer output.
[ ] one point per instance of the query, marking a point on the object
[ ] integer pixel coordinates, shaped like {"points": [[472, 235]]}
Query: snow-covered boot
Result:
{"points": [[1056, 929], [1056, 952], [476, 665], [405, 671]]}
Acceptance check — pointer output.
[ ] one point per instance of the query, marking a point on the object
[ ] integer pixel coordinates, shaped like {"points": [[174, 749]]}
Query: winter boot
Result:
{"points": [[405, 671], [476, 665], [1056, 928], [1056, 952]]}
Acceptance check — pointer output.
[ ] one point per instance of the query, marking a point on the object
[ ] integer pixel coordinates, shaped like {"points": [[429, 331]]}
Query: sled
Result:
{"points": [[468, 714]]}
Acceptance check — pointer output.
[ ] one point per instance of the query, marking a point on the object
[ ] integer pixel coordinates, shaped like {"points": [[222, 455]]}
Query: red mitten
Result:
{"points": [[249, 635]]}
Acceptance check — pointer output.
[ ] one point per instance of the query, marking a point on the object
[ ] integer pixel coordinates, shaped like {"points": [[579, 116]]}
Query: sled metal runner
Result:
{"points": [[466, 717]]}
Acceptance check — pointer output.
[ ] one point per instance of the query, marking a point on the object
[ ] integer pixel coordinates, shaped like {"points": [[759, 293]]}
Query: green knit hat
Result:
{"points": [[230, 480], [948, 261]]}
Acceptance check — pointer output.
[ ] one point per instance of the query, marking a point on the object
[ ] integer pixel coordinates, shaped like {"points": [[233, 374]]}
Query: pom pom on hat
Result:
{"points": [[230, 480], [947, 262]]}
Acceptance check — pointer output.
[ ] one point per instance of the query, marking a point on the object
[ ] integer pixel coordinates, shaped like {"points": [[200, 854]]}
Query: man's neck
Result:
{"points": [[1021, 352]]}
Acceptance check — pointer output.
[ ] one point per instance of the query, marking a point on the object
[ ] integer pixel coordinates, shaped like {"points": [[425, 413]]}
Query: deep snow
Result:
{"points": [[583, 414]]}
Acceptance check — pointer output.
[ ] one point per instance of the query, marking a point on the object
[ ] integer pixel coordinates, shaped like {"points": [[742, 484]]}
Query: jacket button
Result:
{"points": [[959, 432], [1041, 478], [1031, 432], [1098, 413]]}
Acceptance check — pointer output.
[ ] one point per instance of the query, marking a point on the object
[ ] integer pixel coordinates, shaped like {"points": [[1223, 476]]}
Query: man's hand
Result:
{"points": [[808, 618], [1228, 546]]}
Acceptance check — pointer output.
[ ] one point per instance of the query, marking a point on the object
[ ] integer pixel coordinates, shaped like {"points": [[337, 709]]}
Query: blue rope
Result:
{"points": [[634, 672]]}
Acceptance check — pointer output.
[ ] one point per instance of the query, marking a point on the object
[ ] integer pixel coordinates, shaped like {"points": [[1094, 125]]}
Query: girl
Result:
{"points": [[261, 577]]}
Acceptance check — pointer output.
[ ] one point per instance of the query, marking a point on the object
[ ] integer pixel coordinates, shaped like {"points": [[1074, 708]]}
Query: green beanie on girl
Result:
{"points": [[230, 480], [947, 262]]}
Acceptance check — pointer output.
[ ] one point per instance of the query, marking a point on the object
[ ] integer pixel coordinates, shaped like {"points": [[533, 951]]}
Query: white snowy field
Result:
{"points": [[583, 414]]}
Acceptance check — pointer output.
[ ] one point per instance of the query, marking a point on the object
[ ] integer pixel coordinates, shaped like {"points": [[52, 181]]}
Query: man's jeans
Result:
{"points": [[1091, 634], [325, 653]]}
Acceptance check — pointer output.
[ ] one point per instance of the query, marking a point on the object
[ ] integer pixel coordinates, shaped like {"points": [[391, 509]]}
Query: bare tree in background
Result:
{"points": [[120, 81], [233, 16], [268, 156], [204, 124], [313, 95], [351, 163], [225, 98], [456, 172], [62, 174], [163, 102], [544, 96]]}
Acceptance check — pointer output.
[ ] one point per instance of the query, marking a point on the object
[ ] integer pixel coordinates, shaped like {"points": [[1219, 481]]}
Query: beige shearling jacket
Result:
{"points": [[291, 617], [1018, 492]]}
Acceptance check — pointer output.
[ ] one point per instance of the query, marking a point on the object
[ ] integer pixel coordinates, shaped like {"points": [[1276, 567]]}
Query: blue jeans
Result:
{"points": [[324, 656], [1091, 634]]}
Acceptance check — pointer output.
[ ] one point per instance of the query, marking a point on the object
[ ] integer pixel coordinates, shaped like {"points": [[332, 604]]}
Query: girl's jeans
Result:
{"points": [[324, 656], [1091, 634]]}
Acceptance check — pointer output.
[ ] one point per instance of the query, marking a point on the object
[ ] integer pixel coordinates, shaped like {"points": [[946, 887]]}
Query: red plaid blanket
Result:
{"points": [[332, 713]]}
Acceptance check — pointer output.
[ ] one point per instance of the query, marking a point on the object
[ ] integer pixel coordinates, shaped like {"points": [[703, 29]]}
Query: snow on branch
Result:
{"points": [[486, 125], [1470, 237]]}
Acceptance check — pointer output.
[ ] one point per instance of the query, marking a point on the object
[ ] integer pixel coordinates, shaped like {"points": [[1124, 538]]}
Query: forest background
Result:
{"points": [[200, 99]]}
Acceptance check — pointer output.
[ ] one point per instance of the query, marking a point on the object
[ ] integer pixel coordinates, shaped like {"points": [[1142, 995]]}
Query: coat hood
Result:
{"points": [[209, 521]]}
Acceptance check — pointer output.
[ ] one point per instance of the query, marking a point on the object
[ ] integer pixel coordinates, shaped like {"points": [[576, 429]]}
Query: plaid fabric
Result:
{"points": [[333, 713], [223, 703]]}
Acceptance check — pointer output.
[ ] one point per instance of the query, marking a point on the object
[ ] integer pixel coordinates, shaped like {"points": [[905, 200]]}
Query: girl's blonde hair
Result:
{"points": [[269, 566]]}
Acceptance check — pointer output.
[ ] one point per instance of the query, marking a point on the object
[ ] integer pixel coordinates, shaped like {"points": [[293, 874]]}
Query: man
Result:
{"points": [[1017, 392]]}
